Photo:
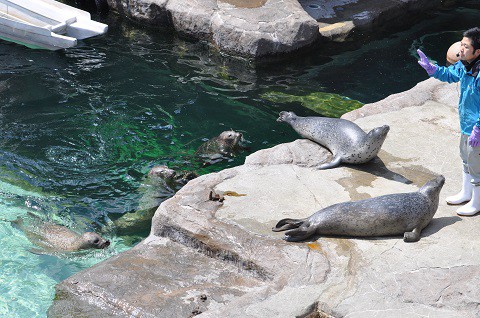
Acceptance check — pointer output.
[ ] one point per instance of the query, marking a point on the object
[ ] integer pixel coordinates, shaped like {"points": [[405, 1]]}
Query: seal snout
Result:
{"points": [[93, 240], [439, 181], [382, 130], [231, 137], [101, 244]]}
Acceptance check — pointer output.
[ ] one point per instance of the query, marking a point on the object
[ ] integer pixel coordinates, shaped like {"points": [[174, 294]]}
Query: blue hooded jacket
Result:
{"points": [[469, 103]]}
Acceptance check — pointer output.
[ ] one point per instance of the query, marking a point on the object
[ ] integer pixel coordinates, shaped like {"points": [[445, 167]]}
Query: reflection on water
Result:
{"points": [[82, 127]]}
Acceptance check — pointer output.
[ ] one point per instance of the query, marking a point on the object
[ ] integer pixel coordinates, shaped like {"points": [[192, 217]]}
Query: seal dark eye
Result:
{"points": [[96, 240]]}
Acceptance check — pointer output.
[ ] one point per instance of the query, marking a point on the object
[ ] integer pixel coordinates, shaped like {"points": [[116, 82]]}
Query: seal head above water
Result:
{"points": [[171, 178], [393, 214], [161, 183], [346, 140], [220, 147]]}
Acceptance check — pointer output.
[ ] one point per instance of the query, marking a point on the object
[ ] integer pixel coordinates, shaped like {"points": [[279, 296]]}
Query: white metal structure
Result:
{"points": [[46, 24]]}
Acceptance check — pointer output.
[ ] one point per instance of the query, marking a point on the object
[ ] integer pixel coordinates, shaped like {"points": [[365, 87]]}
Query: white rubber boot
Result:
{"points": [[465, 194], [473, 206]]}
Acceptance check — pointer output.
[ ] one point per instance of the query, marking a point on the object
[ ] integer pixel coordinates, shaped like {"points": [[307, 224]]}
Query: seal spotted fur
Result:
{"points": [[347, 142], [393, 214]]}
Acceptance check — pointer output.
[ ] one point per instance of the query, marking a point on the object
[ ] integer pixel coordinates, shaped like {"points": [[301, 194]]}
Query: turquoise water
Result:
{"points": [[81, 127]]}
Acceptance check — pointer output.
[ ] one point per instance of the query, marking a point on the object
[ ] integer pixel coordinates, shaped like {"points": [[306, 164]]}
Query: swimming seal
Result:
{"points": [[57, 238], [220, 147], [161, 183], [347, 142], [393, 214], [171, 178]]}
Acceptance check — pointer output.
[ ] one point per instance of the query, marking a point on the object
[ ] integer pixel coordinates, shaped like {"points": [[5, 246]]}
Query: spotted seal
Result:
{"points": [[393, 214], [220, 147], [347, 142], [160, 184], [170, 177], [57, 238]]}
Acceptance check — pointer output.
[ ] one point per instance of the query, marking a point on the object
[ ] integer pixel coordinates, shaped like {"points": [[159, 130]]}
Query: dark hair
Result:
{"points": [[474, 35]]}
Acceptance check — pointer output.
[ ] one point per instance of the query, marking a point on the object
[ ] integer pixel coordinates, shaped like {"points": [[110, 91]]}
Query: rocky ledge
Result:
{"points": [[221, 259], [258, 28]]}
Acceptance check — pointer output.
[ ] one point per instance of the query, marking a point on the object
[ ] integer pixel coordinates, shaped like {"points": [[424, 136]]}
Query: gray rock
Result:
{"points": [[301, 152], [251, 28], [258, 28]]}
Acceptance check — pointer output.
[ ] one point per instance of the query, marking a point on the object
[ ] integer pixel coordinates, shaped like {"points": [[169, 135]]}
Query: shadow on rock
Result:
{"points": [[439, 223], [378, 168]]}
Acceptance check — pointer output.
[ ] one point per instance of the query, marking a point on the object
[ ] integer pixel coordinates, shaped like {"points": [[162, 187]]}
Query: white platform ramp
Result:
{"points": [[46, 24]]}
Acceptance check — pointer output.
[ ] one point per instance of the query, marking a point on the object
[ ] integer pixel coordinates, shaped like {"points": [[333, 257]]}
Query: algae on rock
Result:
{"points": [[325, 104]]}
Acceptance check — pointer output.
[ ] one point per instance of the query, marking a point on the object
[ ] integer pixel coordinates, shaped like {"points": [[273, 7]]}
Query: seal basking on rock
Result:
{"points": [[347, 142], [393, 214], [57, 238]]}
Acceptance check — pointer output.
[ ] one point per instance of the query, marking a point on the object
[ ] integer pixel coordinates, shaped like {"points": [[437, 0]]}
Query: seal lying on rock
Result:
{"points": [[347, 142], [393, 214], [57, 238], [218, 148]]}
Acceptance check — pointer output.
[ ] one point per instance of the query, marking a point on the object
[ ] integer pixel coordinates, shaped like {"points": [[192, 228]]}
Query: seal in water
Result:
{"points": [[173, 179], [393, 214], [347, 142], [160, 184], [218, 148], [57, 238]]}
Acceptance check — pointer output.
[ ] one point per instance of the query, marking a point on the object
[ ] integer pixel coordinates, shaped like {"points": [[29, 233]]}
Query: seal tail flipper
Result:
{"points": [[299, 234], [287, 224], [332, 164]]}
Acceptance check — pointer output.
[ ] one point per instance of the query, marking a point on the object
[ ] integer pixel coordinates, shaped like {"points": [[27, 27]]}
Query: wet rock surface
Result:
{"points": [[216, 258], [258, 28]]}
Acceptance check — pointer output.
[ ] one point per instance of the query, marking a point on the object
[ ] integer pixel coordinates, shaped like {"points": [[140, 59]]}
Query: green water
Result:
{"points": [[81, 127]]}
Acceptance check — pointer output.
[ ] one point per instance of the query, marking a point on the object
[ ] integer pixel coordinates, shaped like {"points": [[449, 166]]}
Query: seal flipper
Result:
{"points": [[37, 251], [287, 224], [413, 236], [332, 164], [299, 234], [18, 222]]}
